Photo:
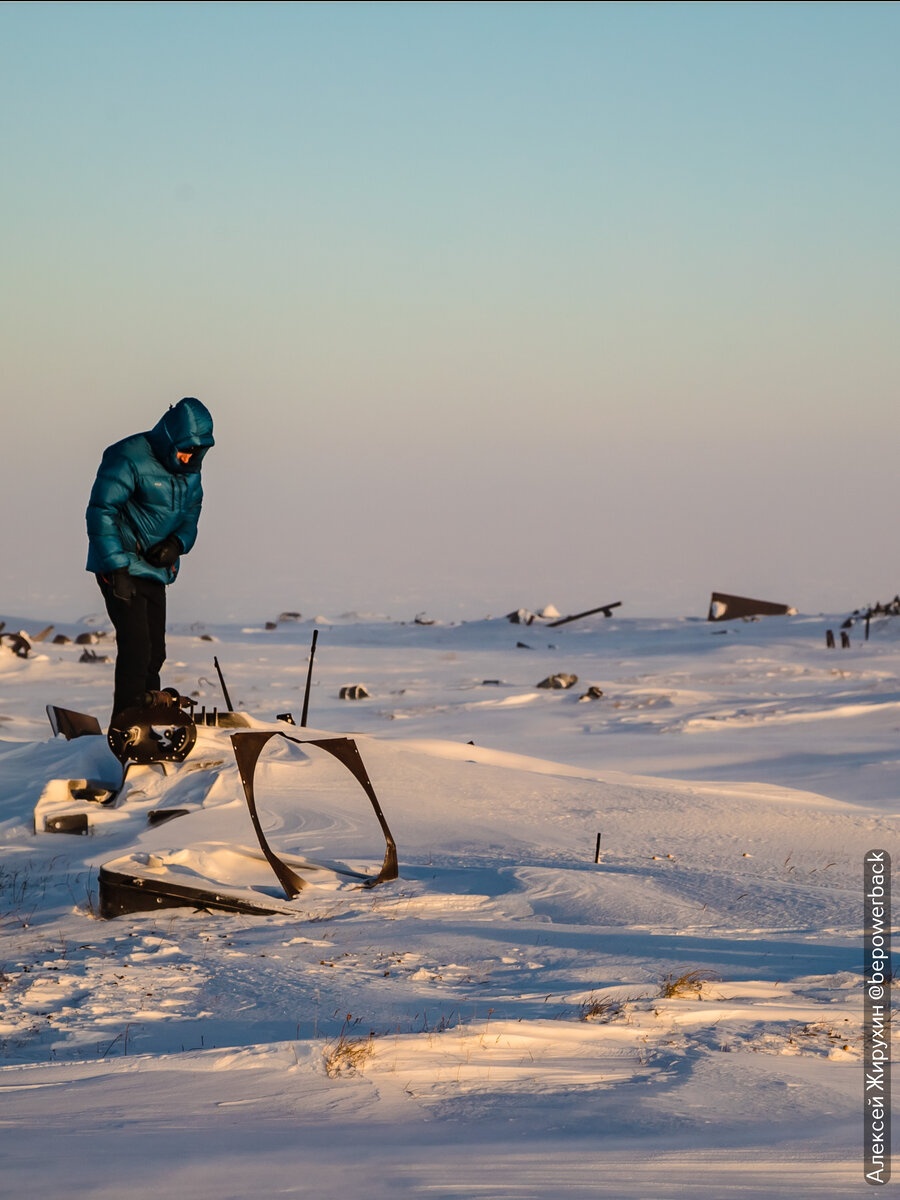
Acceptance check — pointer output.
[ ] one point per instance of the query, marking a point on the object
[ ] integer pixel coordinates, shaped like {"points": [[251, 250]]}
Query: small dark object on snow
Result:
{"points": [[522, 646], [891, 609], [206, 637], [67, 823], [606, 609], [845, 640], [829, 639], [353, 691], [593, 693], [421, 619], [724, 607], [62, 640], [87, 639], [520, 617], [288, 718], [94, 793], [557, 682], [271, 625], [490, 683], [92, 656], [17, 642], [43, 635], [159, 816], [72, 724], [289, 616]]}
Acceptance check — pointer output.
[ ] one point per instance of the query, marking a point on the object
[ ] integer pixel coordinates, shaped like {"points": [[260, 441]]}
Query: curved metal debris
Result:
{"points": [[249, 746]]}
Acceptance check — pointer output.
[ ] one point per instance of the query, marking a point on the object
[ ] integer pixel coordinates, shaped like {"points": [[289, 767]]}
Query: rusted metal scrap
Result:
{"points": [[558, 682], [143, 883], [247, 749], [606, 609], [19, 643], [724, 607]]}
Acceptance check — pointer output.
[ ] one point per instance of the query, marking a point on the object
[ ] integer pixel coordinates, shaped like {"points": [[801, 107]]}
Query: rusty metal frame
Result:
{"points": [[248, 746]]}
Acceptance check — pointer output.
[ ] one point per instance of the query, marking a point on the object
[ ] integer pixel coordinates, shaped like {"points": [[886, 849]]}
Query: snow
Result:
{"points": [[494, 1021]]}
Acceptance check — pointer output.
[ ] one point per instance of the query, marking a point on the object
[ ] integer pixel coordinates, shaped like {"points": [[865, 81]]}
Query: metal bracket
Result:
{"points": [[152, 735]]}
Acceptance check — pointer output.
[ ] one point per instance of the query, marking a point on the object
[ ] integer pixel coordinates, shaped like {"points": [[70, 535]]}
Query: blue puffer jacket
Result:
{"points": [[142, 493]]}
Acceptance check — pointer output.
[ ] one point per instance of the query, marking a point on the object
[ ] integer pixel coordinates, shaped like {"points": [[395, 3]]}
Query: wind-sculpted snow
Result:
{"points": [[682, 1018]]}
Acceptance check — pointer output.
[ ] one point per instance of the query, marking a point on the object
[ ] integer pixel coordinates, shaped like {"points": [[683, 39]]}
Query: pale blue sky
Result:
{"points": [[493, 304]]}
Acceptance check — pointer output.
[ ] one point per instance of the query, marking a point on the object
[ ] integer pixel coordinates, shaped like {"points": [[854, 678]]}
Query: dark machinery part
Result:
{"points": [[71, 724], [121, 894], [162, 732], [247, 749], [95, 793], [67, 823], [159, 816], [220, 720]]}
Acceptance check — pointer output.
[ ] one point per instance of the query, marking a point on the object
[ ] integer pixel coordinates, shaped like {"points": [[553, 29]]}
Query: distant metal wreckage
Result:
{"points": [[725, 607]]}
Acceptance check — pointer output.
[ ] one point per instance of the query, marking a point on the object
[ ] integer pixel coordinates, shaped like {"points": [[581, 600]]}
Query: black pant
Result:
{"points": [[140, 625]]}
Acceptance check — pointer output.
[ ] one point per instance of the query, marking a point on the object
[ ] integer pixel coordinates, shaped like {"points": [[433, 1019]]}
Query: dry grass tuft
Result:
{"points": [[688, 984], [607, 1008], [600, 1008], [347, 1055]]}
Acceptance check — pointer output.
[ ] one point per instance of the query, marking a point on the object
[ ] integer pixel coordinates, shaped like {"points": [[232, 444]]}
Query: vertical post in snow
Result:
{"points": [[597, 851], [312, 655], [224, 688]]}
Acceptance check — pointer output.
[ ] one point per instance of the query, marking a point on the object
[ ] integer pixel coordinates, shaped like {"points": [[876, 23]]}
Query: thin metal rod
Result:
{"points": [[224, 688], [312, 655], [606, 609], [597, 851]]}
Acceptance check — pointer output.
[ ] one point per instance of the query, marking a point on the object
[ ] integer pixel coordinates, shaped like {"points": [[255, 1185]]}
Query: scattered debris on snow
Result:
{"points": [[559, 681]]}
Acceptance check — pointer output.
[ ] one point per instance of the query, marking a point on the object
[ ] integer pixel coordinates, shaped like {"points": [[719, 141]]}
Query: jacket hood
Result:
{"points": [[186, 424]]}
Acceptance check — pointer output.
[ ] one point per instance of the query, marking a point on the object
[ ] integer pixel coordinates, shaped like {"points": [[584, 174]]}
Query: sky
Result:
{"points": [[494, 305]]}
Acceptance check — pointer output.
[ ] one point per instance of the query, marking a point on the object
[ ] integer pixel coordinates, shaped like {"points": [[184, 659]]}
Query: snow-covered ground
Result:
{"points": [[507, 1018]]}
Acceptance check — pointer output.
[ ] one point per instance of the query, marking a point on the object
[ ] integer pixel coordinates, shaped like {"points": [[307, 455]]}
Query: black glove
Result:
{"points": [[123, 585], [164, 553]]}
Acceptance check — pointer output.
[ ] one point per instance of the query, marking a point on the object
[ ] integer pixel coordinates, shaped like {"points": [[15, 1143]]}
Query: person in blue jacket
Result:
{"points": [[142, 516]]}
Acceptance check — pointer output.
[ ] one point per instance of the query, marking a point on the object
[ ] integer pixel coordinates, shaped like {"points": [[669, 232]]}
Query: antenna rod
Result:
{"points": [[224, 688], [312, 655]]}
